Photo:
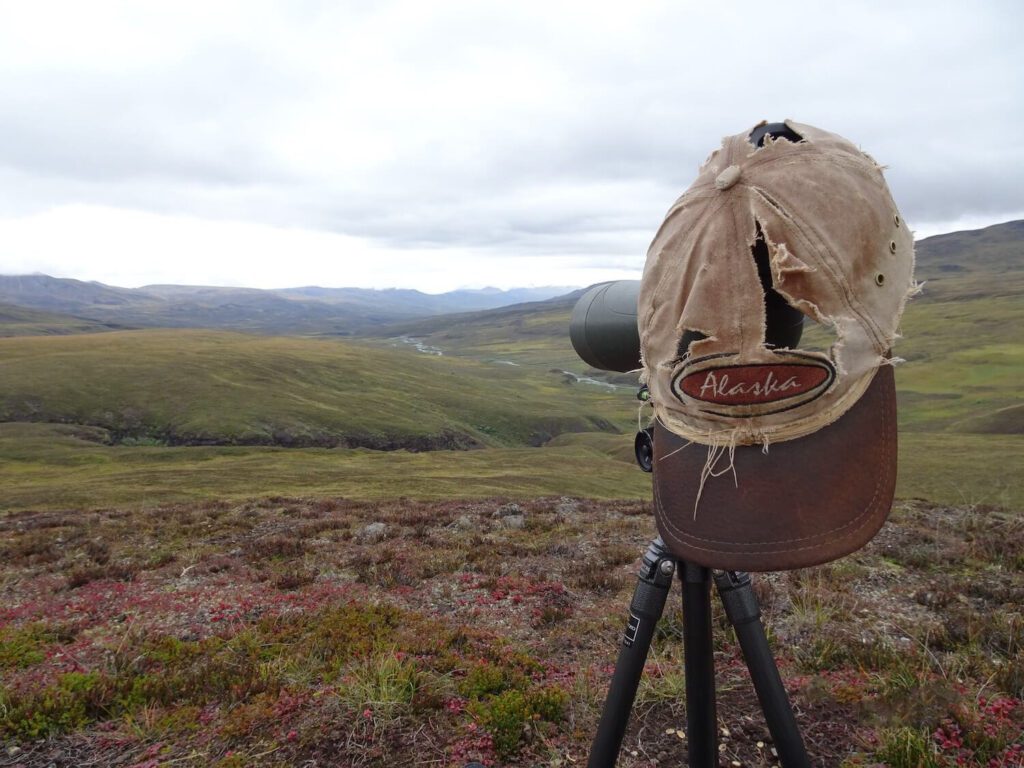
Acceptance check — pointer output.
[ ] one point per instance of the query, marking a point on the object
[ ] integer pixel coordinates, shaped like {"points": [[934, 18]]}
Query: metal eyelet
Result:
{"points": [[892, 246], [879, 279], [896, 219]]}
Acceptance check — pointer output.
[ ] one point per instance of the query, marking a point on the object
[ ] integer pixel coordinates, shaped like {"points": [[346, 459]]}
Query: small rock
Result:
{"points": [[567, 507], [12, 751], [505, 510], [464, 523], [514, 521], [373, 532]]}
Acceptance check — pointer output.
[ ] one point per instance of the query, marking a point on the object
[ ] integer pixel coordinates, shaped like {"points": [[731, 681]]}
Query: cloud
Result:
{"points": [[559, 130]]}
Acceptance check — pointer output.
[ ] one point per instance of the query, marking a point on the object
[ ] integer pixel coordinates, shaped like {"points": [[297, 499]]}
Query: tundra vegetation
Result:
{"points": [[228, 549]]}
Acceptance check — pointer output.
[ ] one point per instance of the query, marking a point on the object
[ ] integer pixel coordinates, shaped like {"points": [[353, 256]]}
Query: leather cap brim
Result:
{"points": [[804, 502]]}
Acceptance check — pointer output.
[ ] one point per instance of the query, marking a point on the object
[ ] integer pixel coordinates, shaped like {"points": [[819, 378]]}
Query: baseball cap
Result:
{"points": [[770, 454]]}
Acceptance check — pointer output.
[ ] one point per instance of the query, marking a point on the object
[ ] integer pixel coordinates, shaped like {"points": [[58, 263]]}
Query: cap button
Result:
{"points": [[728, 177]]}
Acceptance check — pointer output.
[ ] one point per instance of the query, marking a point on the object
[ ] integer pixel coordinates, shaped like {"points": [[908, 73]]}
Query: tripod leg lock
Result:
{"points": [[653, 583], [737, 596]]}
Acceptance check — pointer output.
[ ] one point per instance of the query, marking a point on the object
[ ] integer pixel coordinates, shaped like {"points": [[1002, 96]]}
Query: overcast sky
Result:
{"points": [[444, 144]]}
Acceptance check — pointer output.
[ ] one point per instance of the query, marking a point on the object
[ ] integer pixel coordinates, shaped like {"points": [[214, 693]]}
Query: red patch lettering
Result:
{"points": [[753, 384]]}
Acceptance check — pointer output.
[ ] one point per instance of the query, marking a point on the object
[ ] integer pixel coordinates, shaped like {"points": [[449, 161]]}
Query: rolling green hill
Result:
{"points": [[22, 321], [108, 413], [208, 387], [962, 335], [976, 264]]}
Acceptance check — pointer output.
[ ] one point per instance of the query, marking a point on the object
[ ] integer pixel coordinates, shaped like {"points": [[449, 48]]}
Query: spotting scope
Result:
{"points": [[603, 327]]}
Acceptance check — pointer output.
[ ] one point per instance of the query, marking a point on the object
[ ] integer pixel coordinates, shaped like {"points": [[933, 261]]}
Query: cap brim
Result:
{"points": [[804, 502]]}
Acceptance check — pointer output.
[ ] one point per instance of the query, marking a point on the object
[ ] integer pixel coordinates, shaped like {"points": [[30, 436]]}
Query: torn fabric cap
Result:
{"points": [[839, 252]]}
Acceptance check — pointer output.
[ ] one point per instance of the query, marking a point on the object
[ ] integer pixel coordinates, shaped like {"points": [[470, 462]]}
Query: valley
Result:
{"points": [[295, 538]]}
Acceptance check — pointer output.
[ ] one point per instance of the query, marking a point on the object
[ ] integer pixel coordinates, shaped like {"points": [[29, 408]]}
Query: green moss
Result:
{"points": [[74, 700], [24, 646]]}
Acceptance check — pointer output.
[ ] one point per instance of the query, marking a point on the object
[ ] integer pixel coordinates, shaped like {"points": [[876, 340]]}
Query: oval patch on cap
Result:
{"points": [[763, 387]]}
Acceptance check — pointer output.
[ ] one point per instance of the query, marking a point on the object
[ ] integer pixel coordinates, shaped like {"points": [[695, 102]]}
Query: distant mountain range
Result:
{"points": [[985, 263], [73, 306]]}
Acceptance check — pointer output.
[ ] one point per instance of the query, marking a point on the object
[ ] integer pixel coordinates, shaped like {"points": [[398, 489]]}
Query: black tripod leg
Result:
{"points": [[743, 612], [701, 719], [655, 580]]}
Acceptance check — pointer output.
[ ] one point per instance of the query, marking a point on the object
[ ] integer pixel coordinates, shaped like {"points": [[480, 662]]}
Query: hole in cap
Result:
{"points": [[686, 340], [892, 246], [879, 279], [776, 131], [783, 322]]}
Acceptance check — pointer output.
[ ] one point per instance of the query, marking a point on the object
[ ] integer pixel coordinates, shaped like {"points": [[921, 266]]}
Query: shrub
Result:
{"points": [[276, 545], [294, 578], [483, 679], [1011, 676], [384, 684], [79, 577], [908, 748], [504, 716], [549, 703], [75, 699]]}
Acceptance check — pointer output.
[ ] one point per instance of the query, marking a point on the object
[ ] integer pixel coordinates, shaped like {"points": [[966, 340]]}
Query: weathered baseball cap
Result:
{"points": [[769, 456]]}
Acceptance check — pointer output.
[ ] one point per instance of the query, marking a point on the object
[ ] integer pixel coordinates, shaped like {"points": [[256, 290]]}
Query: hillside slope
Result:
{"points": [[979, 263], [22, 321], [207, 387]]}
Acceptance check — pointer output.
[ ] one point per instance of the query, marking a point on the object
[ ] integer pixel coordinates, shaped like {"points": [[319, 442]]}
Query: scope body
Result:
{"points": [[603, 327]]}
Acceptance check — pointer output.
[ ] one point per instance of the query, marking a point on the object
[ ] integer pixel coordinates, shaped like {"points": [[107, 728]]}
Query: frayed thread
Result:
{"points": [[677, 450], [640, 416], [715, 452]]}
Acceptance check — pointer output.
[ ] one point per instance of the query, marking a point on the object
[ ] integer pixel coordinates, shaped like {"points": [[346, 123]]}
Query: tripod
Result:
{"points": [[741, 608]]}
